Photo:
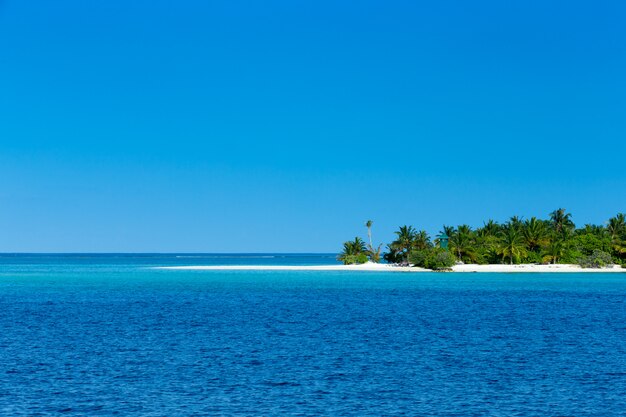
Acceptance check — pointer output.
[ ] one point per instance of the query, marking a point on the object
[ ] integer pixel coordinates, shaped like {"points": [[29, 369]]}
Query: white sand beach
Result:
{"points": [[558, 268], [524, 268], [369, 266]]}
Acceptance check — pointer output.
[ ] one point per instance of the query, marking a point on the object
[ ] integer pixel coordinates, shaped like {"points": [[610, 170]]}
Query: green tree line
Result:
{"points": [[539, 241]]}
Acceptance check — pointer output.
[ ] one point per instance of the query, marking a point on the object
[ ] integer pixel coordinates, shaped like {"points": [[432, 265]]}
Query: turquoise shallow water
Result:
{"points": [[110, 336]]}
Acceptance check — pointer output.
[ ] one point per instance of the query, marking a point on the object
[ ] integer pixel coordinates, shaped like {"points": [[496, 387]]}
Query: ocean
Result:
{"points": [[105, 335]]}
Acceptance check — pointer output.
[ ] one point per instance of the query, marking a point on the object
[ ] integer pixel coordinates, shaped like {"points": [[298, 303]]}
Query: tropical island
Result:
{"points": [[552, 242]]}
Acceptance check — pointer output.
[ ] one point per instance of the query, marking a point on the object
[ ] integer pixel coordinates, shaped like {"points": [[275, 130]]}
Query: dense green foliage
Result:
{"points": [[597, 259], [432, 258], [354, 252], [357, 252], [555, 240], [552, 240], [408, 240]]}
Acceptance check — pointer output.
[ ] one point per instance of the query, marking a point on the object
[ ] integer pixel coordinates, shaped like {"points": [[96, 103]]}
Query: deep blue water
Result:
{"points": [[107, 335]]}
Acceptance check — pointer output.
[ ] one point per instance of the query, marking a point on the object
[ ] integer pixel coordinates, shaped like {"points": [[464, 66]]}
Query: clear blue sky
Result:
{"points": [[236, 126]]}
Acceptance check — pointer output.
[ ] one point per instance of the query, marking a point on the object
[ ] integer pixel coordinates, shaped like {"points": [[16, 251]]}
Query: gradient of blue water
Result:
{"points": [[114, 337]]}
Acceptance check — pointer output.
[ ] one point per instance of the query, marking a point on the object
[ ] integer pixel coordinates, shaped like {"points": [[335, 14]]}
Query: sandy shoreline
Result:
{"points": [[525, 268], [363, 267]]}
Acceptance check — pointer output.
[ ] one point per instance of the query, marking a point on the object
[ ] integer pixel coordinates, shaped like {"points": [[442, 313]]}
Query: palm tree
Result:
{"points": [[351, 249], [405, 241], [535, 233], [374, 254], [561, 221], [368, 224], [594, 229], [516, 222], [358, 245], [490, 228], [617, 226], [486, 241], [512, 245], [447, 231], [462, 243], [422, 240], [554, 251]]}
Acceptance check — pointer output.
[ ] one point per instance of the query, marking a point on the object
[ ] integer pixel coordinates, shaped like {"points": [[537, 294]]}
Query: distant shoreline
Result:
{"points": [[372, 267]]}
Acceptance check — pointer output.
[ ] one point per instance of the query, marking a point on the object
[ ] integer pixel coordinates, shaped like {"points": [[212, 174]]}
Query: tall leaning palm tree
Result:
{"points": [[369, 224], [373, 253]]}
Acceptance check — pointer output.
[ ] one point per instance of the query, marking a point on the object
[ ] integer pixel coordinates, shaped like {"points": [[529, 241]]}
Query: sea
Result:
{"points": [[110, 335]]}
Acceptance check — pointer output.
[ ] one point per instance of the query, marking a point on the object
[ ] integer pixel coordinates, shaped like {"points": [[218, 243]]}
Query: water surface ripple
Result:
{"points": [[103, 341]]}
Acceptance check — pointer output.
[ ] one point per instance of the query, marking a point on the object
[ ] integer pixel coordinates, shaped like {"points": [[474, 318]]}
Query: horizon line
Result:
{"points": [[167, 253]]}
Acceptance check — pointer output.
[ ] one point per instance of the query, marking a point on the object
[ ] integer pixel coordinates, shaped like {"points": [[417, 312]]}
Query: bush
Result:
{"points": [[588, 243], [437, 259], [361, 258], [392, 257], [598, 259], [347, 259], [533, 258], [418, 257], [441, 260]]}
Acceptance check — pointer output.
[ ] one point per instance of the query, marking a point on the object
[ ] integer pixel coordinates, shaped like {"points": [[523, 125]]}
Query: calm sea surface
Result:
{"points": [[106, 335]]}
